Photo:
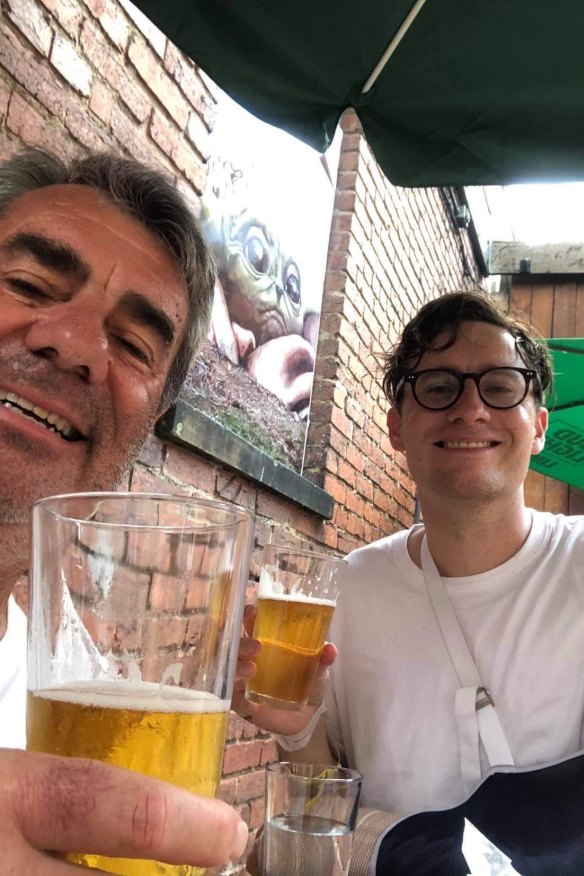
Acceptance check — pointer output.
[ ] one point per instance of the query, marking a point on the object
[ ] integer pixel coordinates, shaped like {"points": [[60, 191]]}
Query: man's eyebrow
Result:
{"points": [[48, 252], [148, 314]]}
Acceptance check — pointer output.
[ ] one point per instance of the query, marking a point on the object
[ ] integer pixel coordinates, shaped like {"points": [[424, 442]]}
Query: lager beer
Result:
{"points": [[292, 629], [168, 732]]}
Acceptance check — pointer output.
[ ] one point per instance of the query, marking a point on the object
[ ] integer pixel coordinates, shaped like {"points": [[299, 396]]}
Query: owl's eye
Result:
{"points": [[256, 250], [292, 283]]}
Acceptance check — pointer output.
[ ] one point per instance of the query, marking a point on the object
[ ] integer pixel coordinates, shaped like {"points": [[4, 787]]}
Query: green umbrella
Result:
{"points": [[563, 457], [467, 91]]}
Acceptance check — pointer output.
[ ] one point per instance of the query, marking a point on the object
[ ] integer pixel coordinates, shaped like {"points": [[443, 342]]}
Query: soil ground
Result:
{"points": [[226, 393]]}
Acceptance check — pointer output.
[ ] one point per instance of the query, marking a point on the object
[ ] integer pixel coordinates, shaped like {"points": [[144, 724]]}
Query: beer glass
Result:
{"points": [[135, 615], [310, 818], [297, 595]]}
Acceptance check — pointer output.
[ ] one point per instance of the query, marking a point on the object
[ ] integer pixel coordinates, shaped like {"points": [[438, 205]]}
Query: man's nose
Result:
{"points": [[72, 336], [470, 405]]}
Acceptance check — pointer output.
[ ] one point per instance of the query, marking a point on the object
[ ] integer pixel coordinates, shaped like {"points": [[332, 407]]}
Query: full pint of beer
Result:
{"points": [[292, 629], [136, 607], [177, 737]]}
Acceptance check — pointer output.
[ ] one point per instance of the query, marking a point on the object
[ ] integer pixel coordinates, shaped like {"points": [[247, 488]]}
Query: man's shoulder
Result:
{"points": [[388, 547], [560, 523]]}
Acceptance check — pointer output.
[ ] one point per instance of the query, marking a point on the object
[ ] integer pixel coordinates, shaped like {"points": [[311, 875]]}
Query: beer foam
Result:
{"points": [[297, 597], [138, 696]]}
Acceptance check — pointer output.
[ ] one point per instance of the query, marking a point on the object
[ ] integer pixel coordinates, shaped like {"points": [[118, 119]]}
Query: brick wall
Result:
{"points": [[390, 251], [85, 74]]}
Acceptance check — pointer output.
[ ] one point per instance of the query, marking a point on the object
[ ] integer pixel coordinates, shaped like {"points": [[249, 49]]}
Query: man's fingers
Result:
{"points": [[249, 616], [70, 804], [328, 655]]}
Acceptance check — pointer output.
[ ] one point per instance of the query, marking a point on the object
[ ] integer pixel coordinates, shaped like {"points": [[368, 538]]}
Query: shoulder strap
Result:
{"points": [[474, 706]]}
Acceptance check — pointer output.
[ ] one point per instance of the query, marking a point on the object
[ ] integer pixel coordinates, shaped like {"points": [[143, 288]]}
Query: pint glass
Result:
{"points": [[135, 614], [297, 597]]}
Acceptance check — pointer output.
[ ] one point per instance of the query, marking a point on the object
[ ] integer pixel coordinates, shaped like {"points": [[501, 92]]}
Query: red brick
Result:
{"points": [[189, 162], [187, 77], [250, 785], [36, 77], [242, 755], [153, 35], [67, 12], [101, 102], [330, 536], [150, 70], [167, 592], [227, 790], [257, 813], [31, 22], [144, 481], [152, 453], [111, 20], [34, 130], [165, 133], [269, 751], [335, 489], [188, 468], [237, 490], [68, 62], [273, 507], [196, 594], [305, 522], [131, 138], [4, 98], [85, 130]]}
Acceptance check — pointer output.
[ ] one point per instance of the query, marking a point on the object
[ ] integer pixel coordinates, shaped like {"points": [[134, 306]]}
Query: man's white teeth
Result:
{"points": [[463, 444], [55, 422]]}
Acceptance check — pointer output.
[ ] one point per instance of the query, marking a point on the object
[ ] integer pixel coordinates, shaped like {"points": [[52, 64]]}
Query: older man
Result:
{"points": [[105, 292]]}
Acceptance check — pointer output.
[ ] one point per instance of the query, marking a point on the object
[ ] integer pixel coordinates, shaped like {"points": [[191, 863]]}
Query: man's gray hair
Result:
{"points": [[151, 198]]}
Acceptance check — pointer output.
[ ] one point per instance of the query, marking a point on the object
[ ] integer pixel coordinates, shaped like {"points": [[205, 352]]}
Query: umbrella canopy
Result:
{"points": [[563, 457], [465, 93]]}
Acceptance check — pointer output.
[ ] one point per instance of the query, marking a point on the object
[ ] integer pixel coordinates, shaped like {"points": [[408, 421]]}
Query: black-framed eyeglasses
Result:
{"points": [[437, 389]]}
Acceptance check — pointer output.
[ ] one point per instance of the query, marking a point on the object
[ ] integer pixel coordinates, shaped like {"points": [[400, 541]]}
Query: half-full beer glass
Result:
{"points": [[297, 597], [135, 614]]}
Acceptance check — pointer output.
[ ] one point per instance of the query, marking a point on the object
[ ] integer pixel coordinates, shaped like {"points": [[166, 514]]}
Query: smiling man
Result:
{"points": [[105, 292], [460, 641]]}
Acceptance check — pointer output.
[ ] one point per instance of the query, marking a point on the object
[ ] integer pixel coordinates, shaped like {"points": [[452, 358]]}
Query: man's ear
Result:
{"points": [[539, 429], [394, 429]]}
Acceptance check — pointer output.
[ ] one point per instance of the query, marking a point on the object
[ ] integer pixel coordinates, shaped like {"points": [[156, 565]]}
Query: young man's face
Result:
{"points": [[469, 451], [92, 310]]}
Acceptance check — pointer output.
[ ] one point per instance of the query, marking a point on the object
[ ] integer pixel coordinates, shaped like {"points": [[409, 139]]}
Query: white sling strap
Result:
{"points": [[474, 706]]}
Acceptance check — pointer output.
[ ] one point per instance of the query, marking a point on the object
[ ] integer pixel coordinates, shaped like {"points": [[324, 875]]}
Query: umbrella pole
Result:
{"points": [[402, 31]]}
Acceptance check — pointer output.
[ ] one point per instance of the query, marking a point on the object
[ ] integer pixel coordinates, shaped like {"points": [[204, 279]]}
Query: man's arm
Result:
{"points": [[58, 804]]}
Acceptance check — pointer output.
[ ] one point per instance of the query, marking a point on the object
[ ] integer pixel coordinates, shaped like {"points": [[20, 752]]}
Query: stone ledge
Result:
{"points": [[190, 428]]}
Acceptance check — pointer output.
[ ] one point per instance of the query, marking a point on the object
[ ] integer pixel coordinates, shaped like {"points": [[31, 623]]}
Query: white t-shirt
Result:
{"points": [[13, 680], [391, 701]]}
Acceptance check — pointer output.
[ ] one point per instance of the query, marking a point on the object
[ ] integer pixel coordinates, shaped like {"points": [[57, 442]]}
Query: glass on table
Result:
{"points": [[311, 810], [136, 606]]}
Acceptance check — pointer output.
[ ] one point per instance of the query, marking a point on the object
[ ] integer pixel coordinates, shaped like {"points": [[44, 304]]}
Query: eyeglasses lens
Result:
{"points": [[498, 388]]}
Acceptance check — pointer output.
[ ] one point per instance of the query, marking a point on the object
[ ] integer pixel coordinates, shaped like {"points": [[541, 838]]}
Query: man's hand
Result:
{"points": [[60, 804], [283, 721]]}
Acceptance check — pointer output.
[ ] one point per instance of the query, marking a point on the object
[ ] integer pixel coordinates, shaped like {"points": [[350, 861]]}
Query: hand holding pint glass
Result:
{"points": [[298, 591], [136, 605]]}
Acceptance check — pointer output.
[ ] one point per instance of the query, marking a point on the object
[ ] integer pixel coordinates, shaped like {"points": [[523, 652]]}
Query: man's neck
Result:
{"points": [[470, 540]]}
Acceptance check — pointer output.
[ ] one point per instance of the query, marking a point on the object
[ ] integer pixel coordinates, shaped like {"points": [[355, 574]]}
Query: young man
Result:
{"points": [[480, 603], [105, 293]]}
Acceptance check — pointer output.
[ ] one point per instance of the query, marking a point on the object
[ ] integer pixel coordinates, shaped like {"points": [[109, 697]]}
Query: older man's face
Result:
{"points": [[92, 310]]}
